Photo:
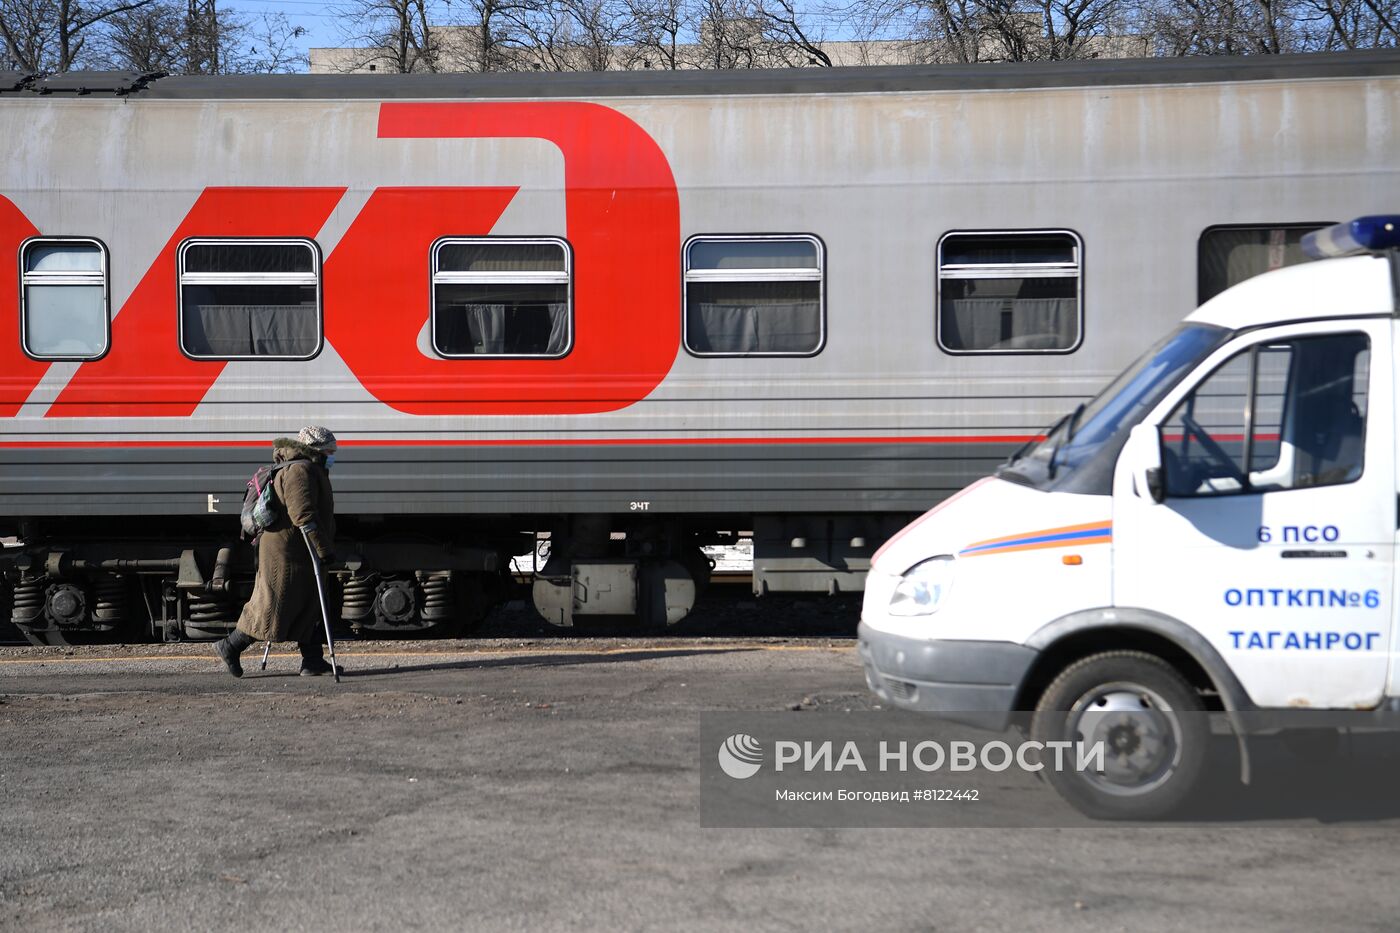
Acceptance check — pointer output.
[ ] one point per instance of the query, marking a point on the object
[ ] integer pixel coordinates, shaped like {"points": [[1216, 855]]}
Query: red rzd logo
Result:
{"points": [[623, 220]]}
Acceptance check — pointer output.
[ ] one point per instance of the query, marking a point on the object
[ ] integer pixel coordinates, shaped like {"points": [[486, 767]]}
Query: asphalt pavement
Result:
{"points": [[553, 785]]}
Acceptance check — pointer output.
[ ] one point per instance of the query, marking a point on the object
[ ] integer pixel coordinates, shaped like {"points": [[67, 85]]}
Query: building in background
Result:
{"points": [[741, 43]]}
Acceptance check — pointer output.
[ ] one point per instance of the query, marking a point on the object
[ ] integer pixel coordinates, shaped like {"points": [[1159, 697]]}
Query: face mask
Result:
{"points": [[330, 459]]}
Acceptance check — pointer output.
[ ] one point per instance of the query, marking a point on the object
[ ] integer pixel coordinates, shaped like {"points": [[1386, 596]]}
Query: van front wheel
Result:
{"points": [[1150, 722]]}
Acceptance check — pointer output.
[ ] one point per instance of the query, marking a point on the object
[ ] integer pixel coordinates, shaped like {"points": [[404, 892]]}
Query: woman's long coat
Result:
{"points": [[285, 606]]}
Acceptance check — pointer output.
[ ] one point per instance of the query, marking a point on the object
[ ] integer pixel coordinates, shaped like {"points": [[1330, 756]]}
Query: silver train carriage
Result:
{"points": [[641, 313]]}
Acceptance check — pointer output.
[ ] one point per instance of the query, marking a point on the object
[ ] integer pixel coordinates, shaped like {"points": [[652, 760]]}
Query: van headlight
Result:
{"points": [[923, 588]]}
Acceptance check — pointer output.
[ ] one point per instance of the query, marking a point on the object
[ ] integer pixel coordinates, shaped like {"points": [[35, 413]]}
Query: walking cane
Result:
{"points": [[321, 594], [266, 649]]}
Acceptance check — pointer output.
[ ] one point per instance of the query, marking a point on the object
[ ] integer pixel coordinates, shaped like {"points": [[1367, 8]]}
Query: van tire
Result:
{"points": [[1140, 704]]}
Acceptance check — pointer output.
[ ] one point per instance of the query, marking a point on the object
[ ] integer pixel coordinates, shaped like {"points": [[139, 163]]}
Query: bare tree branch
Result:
{"points": [[657, 28], [789, 33], [50, 35], [394, 34]]}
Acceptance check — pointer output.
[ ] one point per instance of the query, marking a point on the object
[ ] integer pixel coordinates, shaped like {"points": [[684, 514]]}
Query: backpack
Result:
{"points": [[260, 506]]}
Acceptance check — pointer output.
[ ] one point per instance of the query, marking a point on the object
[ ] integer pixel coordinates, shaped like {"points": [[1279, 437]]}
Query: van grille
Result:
{"points": [[901, 689]]}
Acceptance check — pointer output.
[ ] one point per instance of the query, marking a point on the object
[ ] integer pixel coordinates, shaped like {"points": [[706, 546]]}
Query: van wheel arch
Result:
{"points": [[1079, 635], [1075, 636], [1075, 646]]}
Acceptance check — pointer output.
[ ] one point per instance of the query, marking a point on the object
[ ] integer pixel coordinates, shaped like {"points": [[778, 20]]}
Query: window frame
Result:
{"points": [[438, 277], [791, 274], [183, 278], [1010, 271], [57, 278], [1218, 228], [1252, 349]]}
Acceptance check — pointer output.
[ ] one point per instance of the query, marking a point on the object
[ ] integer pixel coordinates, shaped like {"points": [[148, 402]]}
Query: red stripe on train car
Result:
{"points": [[557, 442], [18, 373]]}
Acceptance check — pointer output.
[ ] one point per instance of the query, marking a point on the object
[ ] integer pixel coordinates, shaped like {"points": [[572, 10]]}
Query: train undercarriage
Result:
{"points": [[90, 581]]}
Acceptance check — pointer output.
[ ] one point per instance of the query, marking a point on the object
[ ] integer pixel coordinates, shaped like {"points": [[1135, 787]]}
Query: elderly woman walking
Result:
{"points": [[285, 605]]}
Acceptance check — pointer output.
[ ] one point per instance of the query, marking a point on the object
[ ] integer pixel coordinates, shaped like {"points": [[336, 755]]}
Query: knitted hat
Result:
{"points": [[320, 438]]}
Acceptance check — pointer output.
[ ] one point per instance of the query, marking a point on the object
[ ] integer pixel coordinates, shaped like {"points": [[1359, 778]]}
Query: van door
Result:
{"points": [[1393, 686], [1277, 537]]}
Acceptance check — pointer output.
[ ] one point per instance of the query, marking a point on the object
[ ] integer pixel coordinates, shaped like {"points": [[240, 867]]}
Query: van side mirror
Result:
{"points": [[1140, 464], [1156, 484]]}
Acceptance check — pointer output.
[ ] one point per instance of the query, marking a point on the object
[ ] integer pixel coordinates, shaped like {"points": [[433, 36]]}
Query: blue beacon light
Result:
{"points": [[1355, 237]]}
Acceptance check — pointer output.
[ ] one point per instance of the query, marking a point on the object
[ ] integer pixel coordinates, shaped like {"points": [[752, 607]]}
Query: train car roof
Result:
{"points": [[659, 83]]}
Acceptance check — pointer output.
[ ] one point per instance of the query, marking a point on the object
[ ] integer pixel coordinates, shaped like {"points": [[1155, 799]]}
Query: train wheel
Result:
{"points": [[60, 613]]}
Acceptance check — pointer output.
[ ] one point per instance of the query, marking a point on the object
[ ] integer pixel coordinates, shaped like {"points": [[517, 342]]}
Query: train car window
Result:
{"points": [[1010, 291], [1226, 256], [502, 297], [250, 299], [754, 296], [63, 298]]}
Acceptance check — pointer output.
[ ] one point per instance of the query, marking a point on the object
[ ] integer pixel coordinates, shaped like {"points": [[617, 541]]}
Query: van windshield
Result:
{"points": [[1078, 452]]}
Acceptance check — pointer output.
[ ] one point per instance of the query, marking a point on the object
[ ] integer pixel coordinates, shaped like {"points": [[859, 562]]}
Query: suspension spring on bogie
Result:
{"points": [[439, 598], [207, 609], [357, 599], [28, 606], [109, 591]]}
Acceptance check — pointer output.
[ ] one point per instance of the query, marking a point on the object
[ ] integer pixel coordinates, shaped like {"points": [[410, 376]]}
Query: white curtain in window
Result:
{"points": [[282, 330], [251, 330], [789, 327], [486, 328], [65, 320], [558, 328], [1009, 323]]}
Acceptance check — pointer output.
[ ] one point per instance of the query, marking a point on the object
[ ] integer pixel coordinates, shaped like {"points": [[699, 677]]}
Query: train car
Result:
{"points": [[634, 313]]}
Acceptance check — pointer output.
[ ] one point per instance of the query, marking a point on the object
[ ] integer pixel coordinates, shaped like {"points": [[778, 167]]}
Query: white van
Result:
{"points": [[1215, 531]]}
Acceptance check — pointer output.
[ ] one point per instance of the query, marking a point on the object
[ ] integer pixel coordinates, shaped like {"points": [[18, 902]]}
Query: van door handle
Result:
{"points": [[1314, 554]]}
